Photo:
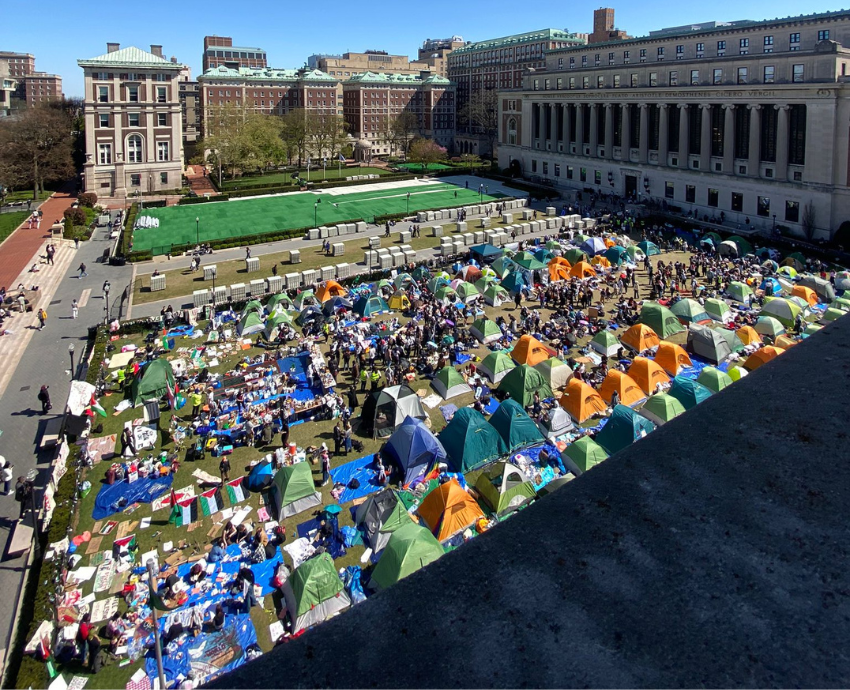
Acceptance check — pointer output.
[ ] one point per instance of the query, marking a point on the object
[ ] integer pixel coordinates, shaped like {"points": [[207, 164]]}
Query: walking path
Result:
{"points": [[198, 182]]}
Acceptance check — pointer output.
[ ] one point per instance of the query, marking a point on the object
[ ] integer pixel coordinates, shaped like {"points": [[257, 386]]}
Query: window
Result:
{"points": [[717, 76], [600, 82], [572, 63], [596, 60], [582, 174], [794, 40], [797, 73], [633, 80], [653, 78], [133, 77], [135, 180], [546, 84], [162, 77], [512, 131], [597, 177], [673, 78], [742, 75], [560, 63], [134, 149], [669, 190], [700, 49], [610, 58], [659, 56], [584, 60], [104, 119], [690, 193], [713, 197], [133, 94], [162, 119], [744, 43], [557, 170], [536, 84], [792, 211], [133, 119], [643, 54], [103, 94], [823, 35], [104, 154], [102, 76], [572, 84], [721, 47], [560, 83], [160, 94], [626, 55], [616, 81], [533, 166], [545, 168], [737, 202], [680, 52], [768, 44], [694, 77], [162, 153], [768, 74], [585, 82], [763, 208], [569, 172]]}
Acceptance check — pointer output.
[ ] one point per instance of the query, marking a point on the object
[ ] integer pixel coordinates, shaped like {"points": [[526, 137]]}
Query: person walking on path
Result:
{"points": [[22, 302], [44, 399], [7, 478], [247, 253], [82, 270], [75, 309], [42, 318], [76, 243]]}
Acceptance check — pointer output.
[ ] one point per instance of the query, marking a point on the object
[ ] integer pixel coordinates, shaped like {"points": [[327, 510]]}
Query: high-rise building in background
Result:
{"points": [[434, 52], [41, 87], [21, 85], [220, 51]]}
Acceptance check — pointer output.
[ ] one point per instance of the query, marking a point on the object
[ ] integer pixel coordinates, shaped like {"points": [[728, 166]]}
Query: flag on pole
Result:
{"points": [[211, 501], [235, 491], [167, 343], [170, 392], [309, 163], [341, 158], [184, 512]]}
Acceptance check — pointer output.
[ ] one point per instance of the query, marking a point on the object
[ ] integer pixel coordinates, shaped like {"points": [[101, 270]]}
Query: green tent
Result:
{"points": [[421, 273], [574, 255], [250, 323], [409, 548], [253, 305], [841, 303], [294, 491], [811, 329], [689, 392], [523, 382], [770, 326], [504, 488], [449, 383], [367, 305], [275, 323], [831, 314], [402, 280], [153, 381], [717, 309], [467, 291], [781, 309], [528, 261], [616, 254], [739, 291], [470, 441], [446, 294], [494, 295], [635, 253], [660, 319], [383, 285], [496, 366], [280, 302], [314, 592], [624, 427], [307, 298], [484, 282], [661, 408], [690, 311], [744, 247], [714, 379], [485, 330], [514, 426], [605, 343], [586, 453], [502, 266]]}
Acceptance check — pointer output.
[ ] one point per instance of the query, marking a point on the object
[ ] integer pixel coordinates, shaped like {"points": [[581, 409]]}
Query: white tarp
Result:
{"points": [[80, 397], [121, 359]]}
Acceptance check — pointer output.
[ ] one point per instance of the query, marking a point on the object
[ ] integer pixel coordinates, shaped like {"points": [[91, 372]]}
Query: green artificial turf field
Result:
{"points": [[432, 167], [316, 175], [259, 215]]}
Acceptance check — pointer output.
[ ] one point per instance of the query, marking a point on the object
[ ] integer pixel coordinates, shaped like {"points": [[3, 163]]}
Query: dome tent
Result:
{"points": [[514, 426], [605, 343], [556, 372], [251, 305], [708, 343], [330, 289], [365, 306], [153, 381], [688, 392], [529, 350], [714, 379], [379, 516], [661, 408], [557, 423], [628, 391], [640, 337], [409, 548], [414, 448], [276, 323], [523, 382], [314, 593], [585, 453], [385, 410], [504, 488], [647, 374], [581, 401], [280, 302], [672, 358], [449, 383], [470, 441], [250, 323], [485, 330], [260, 477], [624, 427], [294, 491], [449, 509], [496, 366], [660, 319], [690, 311]]}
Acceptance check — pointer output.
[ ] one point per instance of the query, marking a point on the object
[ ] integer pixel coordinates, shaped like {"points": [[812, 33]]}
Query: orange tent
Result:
{"points": [[581, 401], [748, 335], [582, 270], [600, 260], [763, 356], [330, 289], [559, 269], [529, 350], [609, 242], [449, 509], [672, 357], [640, 337], [806, 293], [785, 342], [625, 385], [647, 374]]}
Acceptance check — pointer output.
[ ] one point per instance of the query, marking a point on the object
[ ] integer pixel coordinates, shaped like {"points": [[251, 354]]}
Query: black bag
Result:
{"points": [[354, 484]]}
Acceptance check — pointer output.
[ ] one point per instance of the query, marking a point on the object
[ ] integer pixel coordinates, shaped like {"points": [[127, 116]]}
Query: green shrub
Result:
{"points": [[87, 199], [75, 216]]}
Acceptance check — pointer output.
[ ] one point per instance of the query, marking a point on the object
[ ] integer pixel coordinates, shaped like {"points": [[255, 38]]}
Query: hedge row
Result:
{"points": [[202, 199], [258, 190]]}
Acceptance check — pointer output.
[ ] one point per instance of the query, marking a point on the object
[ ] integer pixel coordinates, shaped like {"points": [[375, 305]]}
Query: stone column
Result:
{"points": [[782, 143], [594, 130], [609, 131], [626, 130], [663, 133], [527, 125], [558, 129], [684, 135], [568, 117], [755, 140], [580, 129], [705, 138], [643, 144], [729, 139]]}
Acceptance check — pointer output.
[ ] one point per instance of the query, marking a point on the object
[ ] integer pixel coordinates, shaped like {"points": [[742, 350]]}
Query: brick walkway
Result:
{"points": [[20, 247], [198, 182]]}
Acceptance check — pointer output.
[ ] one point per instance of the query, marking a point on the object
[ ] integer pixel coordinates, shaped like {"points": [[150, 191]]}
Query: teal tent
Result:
{"points": [[523, 382], [514, 426], [689, 392], [624, 427], [367, 305], [470, 441]]}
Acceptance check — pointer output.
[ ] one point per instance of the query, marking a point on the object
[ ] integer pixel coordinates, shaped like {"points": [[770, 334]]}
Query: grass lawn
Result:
{"points": [[312, 433], [182, 282], [298, 210], [10, 221], [331, 173], [419, 167]]}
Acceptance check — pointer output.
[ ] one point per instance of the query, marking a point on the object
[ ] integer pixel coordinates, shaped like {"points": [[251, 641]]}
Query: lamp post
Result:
{"points": [[31, 475], [106, 289], [408, 203], [480, 193], [71, 353], [197, 230], [316, 213], [214, 271]]}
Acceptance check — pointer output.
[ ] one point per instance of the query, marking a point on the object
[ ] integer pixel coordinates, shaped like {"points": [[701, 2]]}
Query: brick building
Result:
{"points": [[435, 51], [220, 51], [40, 87], [603, 27]]}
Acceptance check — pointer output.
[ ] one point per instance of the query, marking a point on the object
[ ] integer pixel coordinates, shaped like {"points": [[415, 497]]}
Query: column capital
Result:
{"points": [[643, 106], [682, 106], [705, 106], [785, 107], [608, 106], [754, 107], [663, 106], [728, 106]]}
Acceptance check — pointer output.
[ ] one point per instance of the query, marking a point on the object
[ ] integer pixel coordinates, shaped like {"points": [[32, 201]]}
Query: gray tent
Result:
{"points": [[557, 423], [823, 288], [379, 516], [708, 343]]}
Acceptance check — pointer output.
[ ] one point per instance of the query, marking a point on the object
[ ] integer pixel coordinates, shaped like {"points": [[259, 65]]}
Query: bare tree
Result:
{"points": [[481, 115], [809, 221], [426, 152], [401, 131]]}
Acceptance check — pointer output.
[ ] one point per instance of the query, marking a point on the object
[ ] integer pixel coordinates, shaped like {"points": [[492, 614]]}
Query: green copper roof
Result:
{"points": [[531, 36], [318, 75], [129, 57], [384, 78], [265, 74]]}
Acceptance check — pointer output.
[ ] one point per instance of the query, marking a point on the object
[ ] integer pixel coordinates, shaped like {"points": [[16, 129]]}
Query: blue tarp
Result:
{"points": [[334, 546], [364, 470], [181, 331], [207, 655], [116, 497]]}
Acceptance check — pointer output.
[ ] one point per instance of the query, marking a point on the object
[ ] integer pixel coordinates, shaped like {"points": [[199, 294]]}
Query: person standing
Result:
{"points": [[75, 309], [197, 399], [224, 469], [339, 435], [6, 475], [42, 318], [247, 253], [284, 430], [22, 495], [44, 398], [82, 270], [22, 302], [326, 467], [347, 437]]}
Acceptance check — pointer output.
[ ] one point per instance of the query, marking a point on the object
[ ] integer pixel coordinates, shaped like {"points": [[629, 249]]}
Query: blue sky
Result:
{"points": [[58, 33]]}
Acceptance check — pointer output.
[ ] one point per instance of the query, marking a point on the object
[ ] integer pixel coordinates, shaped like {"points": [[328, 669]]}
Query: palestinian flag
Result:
{"points": [[211, 501], [95, 405], [184, 512], [167, 343], [235, 491], [123, 545]]}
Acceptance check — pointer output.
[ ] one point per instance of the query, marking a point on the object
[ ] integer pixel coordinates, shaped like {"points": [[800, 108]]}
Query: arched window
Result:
{"points": [[134, 149], [512, 132]]}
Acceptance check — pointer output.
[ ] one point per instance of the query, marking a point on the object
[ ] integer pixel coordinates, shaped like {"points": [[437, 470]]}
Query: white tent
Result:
{"points": [[557, 423]]}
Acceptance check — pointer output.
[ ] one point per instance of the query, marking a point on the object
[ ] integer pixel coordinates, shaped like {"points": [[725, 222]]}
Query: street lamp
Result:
{"points": [[71, 352], [30, 479], [408, 203], [316, 212], [106, 288], [480, 193], [213, 270], [197, 230]]}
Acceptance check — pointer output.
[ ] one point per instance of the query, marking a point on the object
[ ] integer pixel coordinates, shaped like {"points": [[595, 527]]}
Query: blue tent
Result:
{"points": [[624, 427], [593, 246], [261, 476], [514, 282], [689, 392], [771, 282], [330, 307], [486, 252], [414, 449]]}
